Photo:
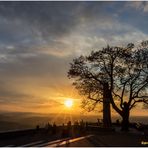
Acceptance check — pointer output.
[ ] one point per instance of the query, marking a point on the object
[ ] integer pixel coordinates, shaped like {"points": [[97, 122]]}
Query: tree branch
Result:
{"points": [[137, 101], [91, 98], [114, 105], [92, 76], [137, 93]]}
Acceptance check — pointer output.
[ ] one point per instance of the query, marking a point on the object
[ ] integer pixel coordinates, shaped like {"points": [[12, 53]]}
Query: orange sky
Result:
{"points": [[39, 40]]}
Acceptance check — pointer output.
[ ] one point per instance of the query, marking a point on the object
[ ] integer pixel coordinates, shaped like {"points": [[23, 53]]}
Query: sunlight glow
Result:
{"points": [[68, 103]]}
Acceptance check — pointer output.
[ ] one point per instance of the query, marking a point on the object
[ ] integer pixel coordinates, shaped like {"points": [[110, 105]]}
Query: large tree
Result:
{"points": [[117, 73], [91, 87]]}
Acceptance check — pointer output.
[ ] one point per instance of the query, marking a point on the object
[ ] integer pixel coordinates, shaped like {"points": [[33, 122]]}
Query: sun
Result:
{"points": [[68, 103]]}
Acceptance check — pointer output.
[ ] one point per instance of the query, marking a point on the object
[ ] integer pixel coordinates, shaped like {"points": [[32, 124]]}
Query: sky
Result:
{"points": [[38, 40]]}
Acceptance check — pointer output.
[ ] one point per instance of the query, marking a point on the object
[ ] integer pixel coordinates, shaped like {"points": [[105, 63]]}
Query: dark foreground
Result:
{"points": [[93, 138]]}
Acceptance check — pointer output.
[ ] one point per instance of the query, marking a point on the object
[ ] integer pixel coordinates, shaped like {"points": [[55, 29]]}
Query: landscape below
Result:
{"points": [[17, 121], [74, 134]]}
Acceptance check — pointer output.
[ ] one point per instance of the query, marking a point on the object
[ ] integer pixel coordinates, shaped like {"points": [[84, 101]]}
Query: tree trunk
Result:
{"points": [[125, 117], [106, 106]]}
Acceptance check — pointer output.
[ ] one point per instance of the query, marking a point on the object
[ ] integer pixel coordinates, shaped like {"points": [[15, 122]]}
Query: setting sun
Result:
{"points": [[68, 103]]}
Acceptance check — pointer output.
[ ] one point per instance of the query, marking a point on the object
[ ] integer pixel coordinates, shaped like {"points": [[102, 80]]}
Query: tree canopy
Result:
{"points": [[123, 69]]}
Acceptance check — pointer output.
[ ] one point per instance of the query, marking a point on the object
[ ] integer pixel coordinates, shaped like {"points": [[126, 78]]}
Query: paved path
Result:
{"points": [[92, 139], [72, 142]]}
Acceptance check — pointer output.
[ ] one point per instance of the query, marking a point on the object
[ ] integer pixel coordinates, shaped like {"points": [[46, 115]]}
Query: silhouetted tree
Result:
{"points": [[116, 75]]}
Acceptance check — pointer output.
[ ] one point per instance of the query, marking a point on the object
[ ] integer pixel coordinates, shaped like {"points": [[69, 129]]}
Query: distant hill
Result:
{"points": [[14, 121], [7, 125]]}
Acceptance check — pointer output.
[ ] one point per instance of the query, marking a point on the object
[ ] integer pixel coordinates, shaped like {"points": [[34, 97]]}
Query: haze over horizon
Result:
{"points": [[38, 40]]}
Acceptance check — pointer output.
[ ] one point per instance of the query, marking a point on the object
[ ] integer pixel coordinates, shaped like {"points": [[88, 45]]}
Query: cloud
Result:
{"points": [[38, 40], [138, 5], [45, 19], [145, 9], [49, 27]]}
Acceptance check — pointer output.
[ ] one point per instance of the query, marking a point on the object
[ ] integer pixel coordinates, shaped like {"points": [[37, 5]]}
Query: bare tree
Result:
{"points": [[89, 85], [116, 75]]}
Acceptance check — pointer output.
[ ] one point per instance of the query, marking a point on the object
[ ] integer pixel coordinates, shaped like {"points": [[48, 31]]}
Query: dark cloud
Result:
{"points": [[48, 20], [44, 18], [38, 40]]}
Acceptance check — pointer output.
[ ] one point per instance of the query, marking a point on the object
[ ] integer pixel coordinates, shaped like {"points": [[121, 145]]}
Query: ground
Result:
{"points": [[87, 139]]}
